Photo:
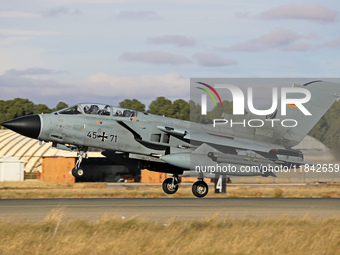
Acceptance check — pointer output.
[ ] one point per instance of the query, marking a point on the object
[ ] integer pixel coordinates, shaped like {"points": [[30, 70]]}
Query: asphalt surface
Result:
{"points": [[165, 209], [121, 185]]}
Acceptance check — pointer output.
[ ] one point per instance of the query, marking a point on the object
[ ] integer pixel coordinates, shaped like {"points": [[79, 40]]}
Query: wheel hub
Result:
{"points": [[201, 189]]}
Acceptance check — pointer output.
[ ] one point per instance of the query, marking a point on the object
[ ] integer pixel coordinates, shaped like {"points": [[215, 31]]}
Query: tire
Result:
{"points": [[77, 173], [200, 189], [168, 187]]}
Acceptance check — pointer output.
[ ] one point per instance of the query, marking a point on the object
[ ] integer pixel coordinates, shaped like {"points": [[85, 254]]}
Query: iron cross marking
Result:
{"points": [[103, 137]]}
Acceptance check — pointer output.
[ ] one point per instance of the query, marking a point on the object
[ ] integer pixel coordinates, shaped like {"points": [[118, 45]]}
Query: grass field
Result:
{"points": [[134, 236], [39, 189], [57, 234]]}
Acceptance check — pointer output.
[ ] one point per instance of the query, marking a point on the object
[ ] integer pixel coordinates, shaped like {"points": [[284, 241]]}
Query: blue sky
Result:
{"points": [[109, 50]]}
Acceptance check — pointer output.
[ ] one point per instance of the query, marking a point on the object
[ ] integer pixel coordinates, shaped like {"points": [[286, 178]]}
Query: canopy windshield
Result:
{"points": [[98, 109]]}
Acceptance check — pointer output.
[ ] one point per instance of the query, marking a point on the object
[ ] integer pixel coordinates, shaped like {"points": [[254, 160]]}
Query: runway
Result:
{"points": [[165, 209]]}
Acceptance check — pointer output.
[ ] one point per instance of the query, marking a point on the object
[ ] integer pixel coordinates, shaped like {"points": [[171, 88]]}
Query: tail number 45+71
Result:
{"points": [[103, 136]]}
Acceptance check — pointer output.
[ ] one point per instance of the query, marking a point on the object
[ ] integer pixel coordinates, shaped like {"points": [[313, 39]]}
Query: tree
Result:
{"points": [[327, 130], [218, 110], [320, 129], [15, 108], [60, 105], [332, 138], [196, 115], [181, 109], [41, 108], [133, 104], [161, 106], [18, 107]]}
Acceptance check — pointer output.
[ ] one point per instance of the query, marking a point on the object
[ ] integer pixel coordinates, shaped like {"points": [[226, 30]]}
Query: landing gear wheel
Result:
{"points": [[170, 186], [77, 172], [200, 189]]}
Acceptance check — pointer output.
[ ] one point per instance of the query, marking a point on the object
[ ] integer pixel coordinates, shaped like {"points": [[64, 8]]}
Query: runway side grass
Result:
{"points": [[215, 235], [37, 189]]}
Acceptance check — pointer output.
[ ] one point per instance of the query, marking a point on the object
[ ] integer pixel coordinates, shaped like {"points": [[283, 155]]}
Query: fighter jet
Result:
{"points": [[182, 148]]}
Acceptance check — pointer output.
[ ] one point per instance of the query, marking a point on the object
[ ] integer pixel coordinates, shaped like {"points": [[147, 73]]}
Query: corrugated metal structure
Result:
{"points": [[33, 154], [30, 151], [25, 149]]}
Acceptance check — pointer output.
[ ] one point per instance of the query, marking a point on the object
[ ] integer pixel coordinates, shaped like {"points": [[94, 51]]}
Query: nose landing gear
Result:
{"points": [[77, 172]]}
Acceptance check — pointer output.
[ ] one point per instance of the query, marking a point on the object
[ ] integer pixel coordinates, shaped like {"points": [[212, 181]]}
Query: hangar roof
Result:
{"points": [[29, 150]]}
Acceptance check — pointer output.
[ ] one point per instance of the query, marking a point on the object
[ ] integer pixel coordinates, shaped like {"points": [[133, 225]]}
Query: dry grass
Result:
{"points": [[111, 235], [36, 189], [134, 236], [319, 191], [35, 184]]}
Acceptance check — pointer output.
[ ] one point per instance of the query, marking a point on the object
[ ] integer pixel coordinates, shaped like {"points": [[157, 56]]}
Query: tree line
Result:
{"points": [[327, 130], [180, 109], [18, 107]]}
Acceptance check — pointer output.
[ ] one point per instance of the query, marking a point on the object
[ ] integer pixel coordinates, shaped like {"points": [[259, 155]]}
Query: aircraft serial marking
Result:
{"points": [[102, 137]]}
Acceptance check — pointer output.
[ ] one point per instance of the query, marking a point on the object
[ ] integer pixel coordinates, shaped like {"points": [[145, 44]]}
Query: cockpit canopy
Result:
{"points": [[98, 109]]}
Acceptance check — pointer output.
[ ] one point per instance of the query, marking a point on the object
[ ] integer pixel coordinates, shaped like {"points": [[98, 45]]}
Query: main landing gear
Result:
{"points": [[170, 185], [199, 188], [77, 172]]}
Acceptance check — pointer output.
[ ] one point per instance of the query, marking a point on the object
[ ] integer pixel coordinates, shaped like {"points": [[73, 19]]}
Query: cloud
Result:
{"points": [[21, 32], [212, 60], [331, 44], [60, 11], [138, 15], [92, 1], [6, 40], [18, 15], [242, 15], [145, 86], [37, 90], [298, 46], [278, 38], [176, 40], [317, 13], [99, 87], [12, 36], [33, 71], [155, 57]]}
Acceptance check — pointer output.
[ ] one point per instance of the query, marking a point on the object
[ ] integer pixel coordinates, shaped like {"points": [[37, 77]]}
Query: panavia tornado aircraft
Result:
{"points": [[179, 147]]}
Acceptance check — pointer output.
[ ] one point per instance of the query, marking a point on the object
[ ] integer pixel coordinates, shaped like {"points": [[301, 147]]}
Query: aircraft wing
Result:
{"points": [[217, 148], [199, 137]]}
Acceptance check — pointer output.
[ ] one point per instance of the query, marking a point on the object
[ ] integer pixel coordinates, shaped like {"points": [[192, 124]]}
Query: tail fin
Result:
{"points": [[323, 95]]}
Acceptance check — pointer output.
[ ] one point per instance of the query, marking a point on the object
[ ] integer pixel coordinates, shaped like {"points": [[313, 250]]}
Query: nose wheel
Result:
{"points": [[77, 172]]}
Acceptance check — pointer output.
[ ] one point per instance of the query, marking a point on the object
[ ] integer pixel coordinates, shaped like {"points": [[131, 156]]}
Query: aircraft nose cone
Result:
{"points": [[28, 125]]}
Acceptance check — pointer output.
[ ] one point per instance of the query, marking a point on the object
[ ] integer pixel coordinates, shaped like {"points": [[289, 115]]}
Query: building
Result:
{"points": [[11, 169]]}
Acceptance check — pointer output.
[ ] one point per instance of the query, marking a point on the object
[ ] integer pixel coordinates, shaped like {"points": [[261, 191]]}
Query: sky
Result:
{"points": [[109, 50]]}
